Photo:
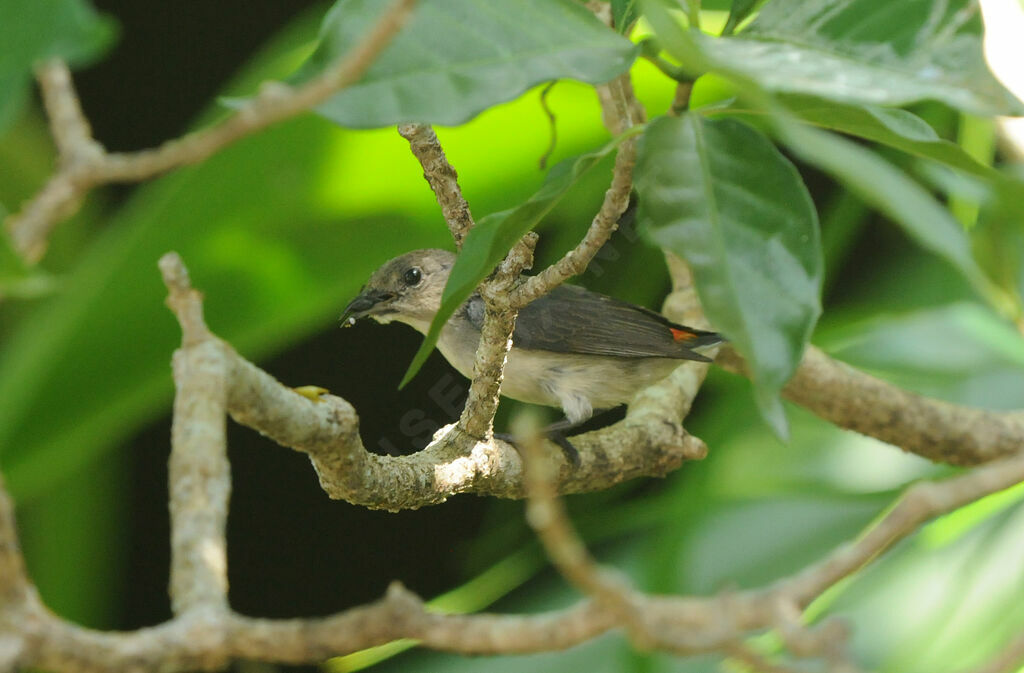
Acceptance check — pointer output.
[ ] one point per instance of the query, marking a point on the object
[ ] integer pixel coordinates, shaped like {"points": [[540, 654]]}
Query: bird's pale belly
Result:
{"points": [[576, 383]]}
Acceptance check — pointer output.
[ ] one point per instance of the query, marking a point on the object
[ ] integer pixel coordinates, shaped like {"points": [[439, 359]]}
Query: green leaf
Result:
{"points": [[624, 13], [869, 51], [493, 236], [959, 584], [853, 51], [718, 193], [681, 42], [740, 10], [458, 57], [999, 237], [38, 29], [893, 127], [892, 192], [961, 352]]}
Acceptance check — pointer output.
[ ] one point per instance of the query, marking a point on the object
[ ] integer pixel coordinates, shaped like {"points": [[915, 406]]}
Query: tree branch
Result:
{"points": [[199, 475], [477, 417], [442, 177], [84, 164], [201, 640], [931, 428]]}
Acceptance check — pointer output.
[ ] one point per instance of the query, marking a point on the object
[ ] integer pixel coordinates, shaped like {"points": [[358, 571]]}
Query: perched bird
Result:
{"points": [[572, 348]]}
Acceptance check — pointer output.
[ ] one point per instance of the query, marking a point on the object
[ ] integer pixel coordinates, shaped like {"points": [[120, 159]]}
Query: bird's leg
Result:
{"points": [[556, 436], [568, 450], [556, 432]]}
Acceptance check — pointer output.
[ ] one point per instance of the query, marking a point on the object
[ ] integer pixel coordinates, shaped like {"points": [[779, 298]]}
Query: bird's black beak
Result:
{"points": [[363, 305]]}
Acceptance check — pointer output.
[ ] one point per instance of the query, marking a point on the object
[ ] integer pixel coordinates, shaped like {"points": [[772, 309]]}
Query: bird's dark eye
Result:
{"points": [[412, 276]]}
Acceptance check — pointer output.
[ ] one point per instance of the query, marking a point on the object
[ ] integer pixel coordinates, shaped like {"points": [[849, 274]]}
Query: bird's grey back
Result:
{"points": [[572, 319]]}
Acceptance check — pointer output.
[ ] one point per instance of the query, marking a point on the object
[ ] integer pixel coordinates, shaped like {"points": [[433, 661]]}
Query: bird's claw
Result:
{"points": [[572, 455]]}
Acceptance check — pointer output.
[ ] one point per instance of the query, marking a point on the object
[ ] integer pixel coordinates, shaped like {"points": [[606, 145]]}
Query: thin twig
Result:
{"points": [[552, 125], [495, 340], [84, 164], [442, 177], [68, 125]]}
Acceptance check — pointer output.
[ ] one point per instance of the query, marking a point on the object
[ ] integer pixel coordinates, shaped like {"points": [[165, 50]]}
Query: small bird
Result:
{"points": [[571, 348]]}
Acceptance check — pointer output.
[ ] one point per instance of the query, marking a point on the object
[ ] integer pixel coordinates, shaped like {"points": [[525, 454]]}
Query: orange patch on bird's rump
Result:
{"points": [[681, 334]]}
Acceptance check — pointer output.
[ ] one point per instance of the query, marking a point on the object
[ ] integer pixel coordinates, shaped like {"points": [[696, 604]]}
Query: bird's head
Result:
{"points": [[407, 288]]}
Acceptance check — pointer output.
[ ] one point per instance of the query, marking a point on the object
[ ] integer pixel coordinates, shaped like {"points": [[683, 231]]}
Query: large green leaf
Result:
{"points": [[33, 30], [946, 599], [493, 236], [893, 127], [624, 13], [738, 11], [961, 352], [868, 51], [718, 193], [891, 191], [852, 51], [456, 58]]}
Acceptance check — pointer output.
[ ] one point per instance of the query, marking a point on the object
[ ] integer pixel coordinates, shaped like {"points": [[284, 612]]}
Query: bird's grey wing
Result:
{"points": [[572, 319]]}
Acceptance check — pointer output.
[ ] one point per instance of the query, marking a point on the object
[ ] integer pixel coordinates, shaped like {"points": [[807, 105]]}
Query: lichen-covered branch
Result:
{"points": [[441, 177], [84, 164], [198, 473], [933, 429], [184, 643], [495, 340]]}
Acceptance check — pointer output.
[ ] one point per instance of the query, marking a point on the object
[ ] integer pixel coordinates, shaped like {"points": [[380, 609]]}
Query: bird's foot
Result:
{"points": [[572, 455]]}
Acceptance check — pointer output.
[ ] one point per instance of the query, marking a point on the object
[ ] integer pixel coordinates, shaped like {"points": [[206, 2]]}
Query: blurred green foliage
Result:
{"points": [[41, 29], [281, 228]]}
